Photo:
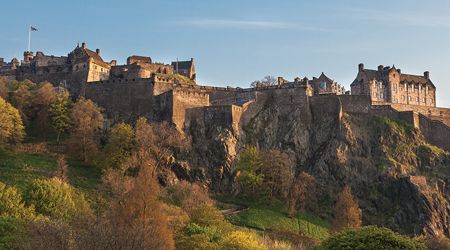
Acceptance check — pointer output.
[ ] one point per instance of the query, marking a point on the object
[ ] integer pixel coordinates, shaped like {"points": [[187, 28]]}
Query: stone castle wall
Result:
{"points": [[123, 100]]}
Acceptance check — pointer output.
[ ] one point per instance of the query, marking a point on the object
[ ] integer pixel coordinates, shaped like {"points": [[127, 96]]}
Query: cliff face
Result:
{"points": [[400, 181]]}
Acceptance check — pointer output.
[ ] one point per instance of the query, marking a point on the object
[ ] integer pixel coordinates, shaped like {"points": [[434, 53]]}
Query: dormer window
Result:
{"points": [[323, 85]]}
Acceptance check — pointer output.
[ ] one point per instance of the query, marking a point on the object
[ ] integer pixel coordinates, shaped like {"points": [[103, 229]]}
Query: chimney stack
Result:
{"points": [[380, 68], [97, 51], [426, 74], [361, 67], [83, 45]]}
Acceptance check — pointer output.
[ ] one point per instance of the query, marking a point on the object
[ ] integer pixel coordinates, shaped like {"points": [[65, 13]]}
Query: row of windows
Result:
{"points": [[404, 87], [416, 99]]}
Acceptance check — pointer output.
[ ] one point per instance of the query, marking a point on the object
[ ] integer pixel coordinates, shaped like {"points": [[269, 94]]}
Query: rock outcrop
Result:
{"points": [[400, 181]]}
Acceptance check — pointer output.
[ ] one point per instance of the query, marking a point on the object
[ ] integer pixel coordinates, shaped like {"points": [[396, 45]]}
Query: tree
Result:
{"points": [[159, 140], [370, 237], [22, 100], [266, 81], [135, 218], [11, 129], [3, 89], [119, 147], [347, 213], [60, 114], [277, 172], [85, 132], [249, 169], [43, 97], [301, 192], [61, 169]]}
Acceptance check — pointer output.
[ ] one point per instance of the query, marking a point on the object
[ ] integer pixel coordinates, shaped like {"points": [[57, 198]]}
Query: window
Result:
{"points": [[409, 98], [412, 87], [406, 87], [381, 85], [423, 99], [420, 89], [431, 100], [403, 97], [323, 85], [426, 90], [381, 96], [417, 99]]}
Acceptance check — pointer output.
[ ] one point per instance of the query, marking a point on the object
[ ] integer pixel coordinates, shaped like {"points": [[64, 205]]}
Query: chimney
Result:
{"points": [[97, 51], [399, 71], [426, 74], [361, 67], [380, 68], [83, 45], [192, 59]]}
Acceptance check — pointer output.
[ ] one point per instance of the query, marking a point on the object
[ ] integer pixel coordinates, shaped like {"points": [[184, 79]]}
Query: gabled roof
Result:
{"points": [[93, 55]]}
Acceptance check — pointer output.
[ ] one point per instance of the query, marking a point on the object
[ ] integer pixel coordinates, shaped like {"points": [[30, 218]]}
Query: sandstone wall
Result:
{"points": [[123, 100]]}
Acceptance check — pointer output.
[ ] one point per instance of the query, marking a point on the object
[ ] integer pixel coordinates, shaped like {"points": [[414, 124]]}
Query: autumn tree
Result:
{"points": [[43, 97], [119, 147], [347, 213], [248, 168], [3, 89], [22, 100], [266, 81], [61, 169], [277, 172], [11, 129], [60, 114], [300, 193], [159, 140], [85, 132], [135, 218]]}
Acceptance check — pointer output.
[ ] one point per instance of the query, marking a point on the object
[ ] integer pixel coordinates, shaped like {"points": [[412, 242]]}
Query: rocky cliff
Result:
{"points": [[400, 181]]}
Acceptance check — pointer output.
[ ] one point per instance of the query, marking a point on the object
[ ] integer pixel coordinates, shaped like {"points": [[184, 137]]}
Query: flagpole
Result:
{"points": [[29, 38]]}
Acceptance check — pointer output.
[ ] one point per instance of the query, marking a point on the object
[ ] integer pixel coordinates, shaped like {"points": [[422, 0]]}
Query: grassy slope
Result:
{"points": [[265, 217], [19, 169]]}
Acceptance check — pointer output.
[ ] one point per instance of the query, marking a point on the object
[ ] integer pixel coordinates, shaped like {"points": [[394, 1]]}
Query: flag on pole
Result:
{"points": [[33, 28]]}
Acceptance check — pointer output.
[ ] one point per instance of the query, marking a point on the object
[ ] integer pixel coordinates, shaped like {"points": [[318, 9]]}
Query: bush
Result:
{"points": [[370, 237], [11, 204], [12, 232], [240, 240], [12, 129], [55, 199]]}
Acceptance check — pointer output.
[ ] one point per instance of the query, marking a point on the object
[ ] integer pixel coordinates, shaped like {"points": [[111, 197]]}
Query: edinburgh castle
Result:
{"points": [[169, 92]]}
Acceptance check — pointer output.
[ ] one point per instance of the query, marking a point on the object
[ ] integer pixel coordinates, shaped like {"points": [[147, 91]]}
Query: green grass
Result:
{"points": [[272, 217], [20, 169]]}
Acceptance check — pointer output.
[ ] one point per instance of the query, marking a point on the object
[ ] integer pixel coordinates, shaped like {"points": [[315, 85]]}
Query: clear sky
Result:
{"points": [[236, 42]]}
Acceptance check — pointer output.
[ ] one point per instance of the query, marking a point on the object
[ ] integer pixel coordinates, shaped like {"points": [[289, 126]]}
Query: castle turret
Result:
{"points": [[27, 56], [426, 74]]}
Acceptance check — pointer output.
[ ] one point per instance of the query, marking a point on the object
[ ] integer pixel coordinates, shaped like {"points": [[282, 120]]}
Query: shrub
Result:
{"points": [[55, 199], [11, 204], [370, 237], [240, 240], [12, 232]]}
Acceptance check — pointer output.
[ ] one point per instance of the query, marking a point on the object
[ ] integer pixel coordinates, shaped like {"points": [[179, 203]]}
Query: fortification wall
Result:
{"points": [[183, 100], [223, 116], [123, 100], [434, 113], [355, 103], [435, 131]]}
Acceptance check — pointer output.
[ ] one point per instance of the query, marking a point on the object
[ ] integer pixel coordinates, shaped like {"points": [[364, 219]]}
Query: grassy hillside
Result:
{"points": [[273, 218], [20, 169]]}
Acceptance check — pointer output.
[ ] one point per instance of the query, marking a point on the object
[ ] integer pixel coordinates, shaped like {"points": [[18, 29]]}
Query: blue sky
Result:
{"points": [[236, 42]]}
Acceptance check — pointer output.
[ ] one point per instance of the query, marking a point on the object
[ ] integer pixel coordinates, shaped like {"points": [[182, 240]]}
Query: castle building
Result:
{"points": [[185, 68], [390, 85], [324, 85]]}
